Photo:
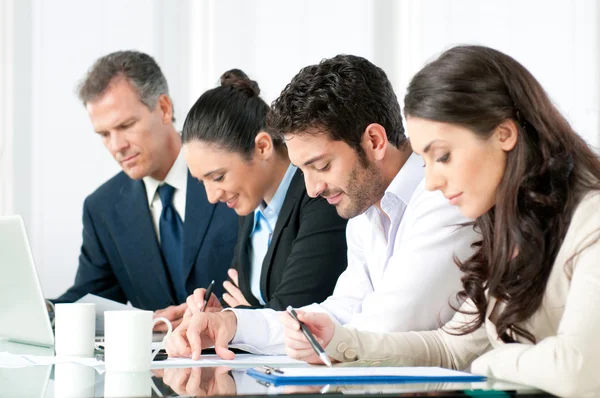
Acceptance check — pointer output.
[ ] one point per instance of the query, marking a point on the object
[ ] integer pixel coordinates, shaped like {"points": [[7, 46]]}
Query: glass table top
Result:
{"points": [[76, 380]]}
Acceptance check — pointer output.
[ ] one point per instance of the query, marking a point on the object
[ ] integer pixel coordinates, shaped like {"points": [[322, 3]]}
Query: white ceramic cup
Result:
{"points": [[74, 380], [128, 340], [75, 329]]}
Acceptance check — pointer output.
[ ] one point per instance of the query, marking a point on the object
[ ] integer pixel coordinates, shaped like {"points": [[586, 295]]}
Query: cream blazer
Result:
{"points": [[566, 358]]}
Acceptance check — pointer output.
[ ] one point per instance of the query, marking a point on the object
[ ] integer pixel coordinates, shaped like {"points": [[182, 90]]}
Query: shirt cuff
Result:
{"points": [[242, 322]]}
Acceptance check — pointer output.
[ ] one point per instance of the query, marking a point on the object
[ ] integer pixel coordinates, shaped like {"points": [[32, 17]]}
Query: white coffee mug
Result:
{"points": [[75, 329], [128, 340]]}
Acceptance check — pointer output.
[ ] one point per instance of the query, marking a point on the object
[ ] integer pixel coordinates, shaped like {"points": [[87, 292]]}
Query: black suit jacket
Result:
{"points": [[120, 256], [306, 256]]}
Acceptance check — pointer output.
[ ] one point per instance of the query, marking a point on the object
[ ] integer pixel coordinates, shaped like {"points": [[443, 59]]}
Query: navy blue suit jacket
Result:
{"points": [[120, 256]]}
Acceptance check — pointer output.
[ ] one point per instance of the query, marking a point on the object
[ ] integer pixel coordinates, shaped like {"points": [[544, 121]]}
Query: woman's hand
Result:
{"points": [[234, 296]]}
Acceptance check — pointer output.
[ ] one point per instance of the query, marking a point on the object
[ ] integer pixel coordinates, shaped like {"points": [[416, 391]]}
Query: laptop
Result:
{"points": [[23, 314]]}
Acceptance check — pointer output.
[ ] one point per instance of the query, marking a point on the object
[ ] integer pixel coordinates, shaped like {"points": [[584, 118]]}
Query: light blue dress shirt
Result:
{"points": [[265, 218]]}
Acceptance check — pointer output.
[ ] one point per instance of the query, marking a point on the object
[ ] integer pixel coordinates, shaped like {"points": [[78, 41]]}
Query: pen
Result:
{"points": [[309, 336], [209, 290]]}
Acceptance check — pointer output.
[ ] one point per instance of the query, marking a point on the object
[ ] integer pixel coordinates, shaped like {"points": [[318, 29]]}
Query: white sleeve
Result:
{"points": [[421, 278], [258, 331]]}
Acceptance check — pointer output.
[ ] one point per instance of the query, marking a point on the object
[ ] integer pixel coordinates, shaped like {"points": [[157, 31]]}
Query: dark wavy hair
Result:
{"points": [[340, 96], [229, 116], [547, 173]]}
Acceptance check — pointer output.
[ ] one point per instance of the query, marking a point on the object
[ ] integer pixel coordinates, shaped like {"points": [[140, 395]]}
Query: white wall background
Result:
{"points": [[51, 160]]}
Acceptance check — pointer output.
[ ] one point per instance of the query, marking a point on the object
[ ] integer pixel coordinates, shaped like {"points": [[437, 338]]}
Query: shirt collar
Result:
{"points": [[277, 201], [405, 183], [177, 178]]}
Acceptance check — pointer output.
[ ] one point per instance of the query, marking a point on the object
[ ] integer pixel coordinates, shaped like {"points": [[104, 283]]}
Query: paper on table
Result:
{"points": [[102, 305], [241, 360], [8, 360]]}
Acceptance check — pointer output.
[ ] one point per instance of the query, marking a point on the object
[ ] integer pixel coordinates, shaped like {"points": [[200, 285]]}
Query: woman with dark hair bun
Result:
{"points": [[291, 247], [495, 145]]}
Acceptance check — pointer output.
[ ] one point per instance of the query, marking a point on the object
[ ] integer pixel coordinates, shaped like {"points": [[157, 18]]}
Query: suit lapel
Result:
{"points": [[295, 189], [136, 238], [243, 255], [198, 213]]}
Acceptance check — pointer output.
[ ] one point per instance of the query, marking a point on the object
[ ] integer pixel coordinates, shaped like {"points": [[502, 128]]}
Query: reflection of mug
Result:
{"points": [[74, 380], [128, 340], [75, 329], [127, 384]]}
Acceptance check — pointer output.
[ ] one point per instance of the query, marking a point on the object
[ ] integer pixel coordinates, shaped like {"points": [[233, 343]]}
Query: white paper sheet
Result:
{"points": [[102, 305], [8, 360], [240, 361]]}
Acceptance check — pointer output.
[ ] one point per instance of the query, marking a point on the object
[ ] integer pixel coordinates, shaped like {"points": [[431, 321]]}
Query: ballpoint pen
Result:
{"points": [[309, 336], [209, 290]]}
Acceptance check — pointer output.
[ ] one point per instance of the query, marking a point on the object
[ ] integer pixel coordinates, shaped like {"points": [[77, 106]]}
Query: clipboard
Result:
{"points": [[359, 375]]}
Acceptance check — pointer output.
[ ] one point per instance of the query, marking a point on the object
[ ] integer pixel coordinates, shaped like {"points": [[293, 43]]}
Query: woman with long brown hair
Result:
{"points": [[495, 145]]}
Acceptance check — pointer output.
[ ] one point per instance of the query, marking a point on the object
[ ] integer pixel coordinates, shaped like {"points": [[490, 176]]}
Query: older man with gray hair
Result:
{"points": [[150, 236]]}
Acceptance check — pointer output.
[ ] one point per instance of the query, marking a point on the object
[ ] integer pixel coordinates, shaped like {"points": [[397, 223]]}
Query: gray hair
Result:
{"points": [[139, 69]]}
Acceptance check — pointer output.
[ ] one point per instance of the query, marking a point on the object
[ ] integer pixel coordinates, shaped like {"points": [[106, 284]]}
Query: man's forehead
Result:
{"points": [[304, 150], [115, 106], [109, 117], [305, 144]]}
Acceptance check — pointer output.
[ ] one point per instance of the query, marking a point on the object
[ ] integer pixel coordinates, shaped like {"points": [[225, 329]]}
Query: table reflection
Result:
{"points": [[72, 380], [199, 382]]}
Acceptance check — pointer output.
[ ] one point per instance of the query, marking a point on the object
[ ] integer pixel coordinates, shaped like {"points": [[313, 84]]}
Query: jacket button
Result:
{"points": [[343, 346], [350, 354]]}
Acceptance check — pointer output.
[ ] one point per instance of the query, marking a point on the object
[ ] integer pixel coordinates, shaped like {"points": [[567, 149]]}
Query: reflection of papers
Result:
{"points": [[102, 305]]}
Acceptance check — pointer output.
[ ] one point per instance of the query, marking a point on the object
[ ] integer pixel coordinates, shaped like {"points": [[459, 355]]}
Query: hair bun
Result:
{"points": [[239, 80]]}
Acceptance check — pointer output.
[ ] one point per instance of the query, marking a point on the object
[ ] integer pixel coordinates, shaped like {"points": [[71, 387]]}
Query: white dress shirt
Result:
{"points": [[400, 276], [177, 178]]}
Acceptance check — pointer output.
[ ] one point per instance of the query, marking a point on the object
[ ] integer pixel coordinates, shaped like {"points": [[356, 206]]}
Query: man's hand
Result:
{"points": [[234, 296], [203, 330], [200, 382], [195, 303], [173, 313], [296, 344]]}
